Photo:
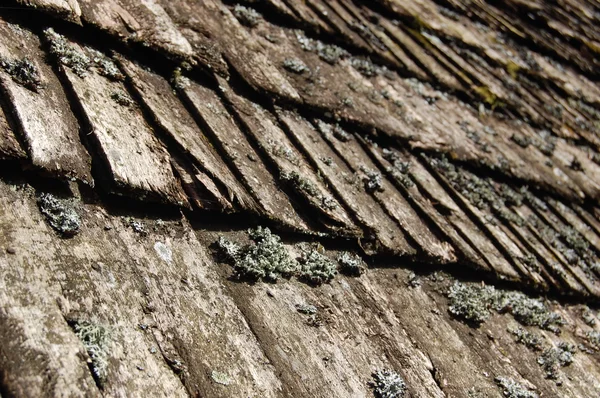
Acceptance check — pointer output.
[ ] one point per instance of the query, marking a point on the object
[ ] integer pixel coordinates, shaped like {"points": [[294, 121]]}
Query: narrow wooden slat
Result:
{"points": [[143, 21], [137, 161], [347, 185], [390, 199], [261, 184], [571, 218], [40, 107], [461, 221], [293, 169], [67, 9], [9, 145], [170, 114], [464, 251]]}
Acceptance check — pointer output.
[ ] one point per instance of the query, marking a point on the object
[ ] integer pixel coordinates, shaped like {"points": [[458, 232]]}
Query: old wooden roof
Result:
{"points": [[428, 171]]}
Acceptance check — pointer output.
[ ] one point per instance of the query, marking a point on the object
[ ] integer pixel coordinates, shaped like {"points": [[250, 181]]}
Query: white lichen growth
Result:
{"points": [[512, 389], [351, 264], [23, 71], [60, 214], [316, 268], [387, 384], [247, 16], [265, 258], [294, 65], [474, 302], [553, 358], [96, 340], [67, 54]]}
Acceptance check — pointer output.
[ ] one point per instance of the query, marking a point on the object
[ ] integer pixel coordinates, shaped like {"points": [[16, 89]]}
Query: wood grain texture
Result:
{"points": [[251, 170], [67, 9], [47, 125], [170, 114], [137, 162], [9, 145], [348, 186]]}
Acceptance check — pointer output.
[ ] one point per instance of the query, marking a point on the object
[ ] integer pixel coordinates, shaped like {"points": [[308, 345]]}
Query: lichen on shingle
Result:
{"points": [[372, 179], [553, 358], [67, 54], [475, 302], [247, 16], [531, 340], [60, 214], [96, 339], [122, 98], [316, 268], [106, 66], [512, 389], [294, 65], [23, 71], [265, 258], [351, 264], [387, 384]]}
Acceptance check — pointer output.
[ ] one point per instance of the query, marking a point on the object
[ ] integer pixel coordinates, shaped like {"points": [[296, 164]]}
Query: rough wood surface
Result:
{"points": [[348, 186], [247, 162], [9, 145], [67, 9], [40, 107], [142, 21], [137, 161], [170, 114], [292, 167]]}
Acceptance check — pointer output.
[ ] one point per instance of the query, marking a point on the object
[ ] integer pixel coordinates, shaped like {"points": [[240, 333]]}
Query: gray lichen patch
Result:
{"points": [[265, 258], [387, 384], [512, 389], [23, 71], [60, 214], [295, 65], [122, 98], [351, 264], [315, 267], [96, 339], [475, 302], [366, 67], [372, 179], [106, 66], [336, 130], [531, 340], [67, 54], [400, 170], [553, 358], [247, 16], [305, 187], [220, 378], [329, 53]]}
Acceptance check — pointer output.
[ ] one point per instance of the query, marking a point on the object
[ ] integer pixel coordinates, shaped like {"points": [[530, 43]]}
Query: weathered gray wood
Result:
{"points": [[40, 107], [137, 161], [461, 221], [348, 186], [292, 168], [464, 251], [67, 9], [9, 145], [170, 114], [171, 324], [143, 21], [244, 159], [389, 198]]}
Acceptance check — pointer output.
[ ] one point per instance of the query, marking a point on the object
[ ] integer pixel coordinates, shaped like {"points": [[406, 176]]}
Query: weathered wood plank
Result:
{"points": [[143, 21], [170, 114], [388, 197], [347, 185], [9, 145], [172, 329], [67, 9], [334, 357], [461, 221], [465, 253], [244, 159], [137, 161], [292, 167], [40, 107], [572, 218], [484, 218]]}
